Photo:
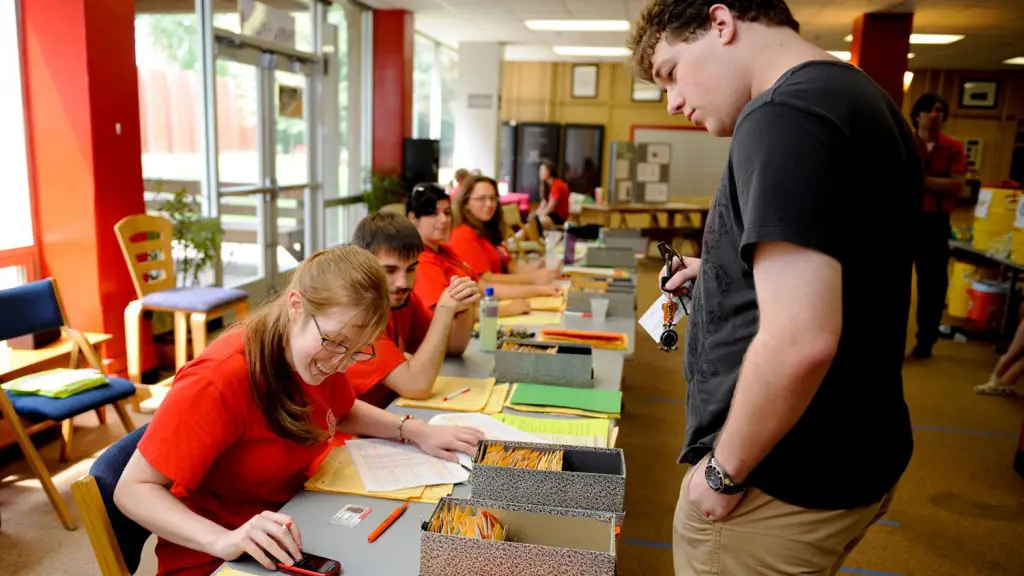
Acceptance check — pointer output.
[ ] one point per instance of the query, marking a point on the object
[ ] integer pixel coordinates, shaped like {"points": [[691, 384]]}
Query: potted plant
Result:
{"points": [[382, 187], [196, 239]]}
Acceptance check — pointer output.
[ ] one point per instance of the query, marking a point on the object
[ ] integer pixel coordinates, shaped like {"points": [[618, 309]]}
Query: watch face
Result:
{"points": [[714, 478]]}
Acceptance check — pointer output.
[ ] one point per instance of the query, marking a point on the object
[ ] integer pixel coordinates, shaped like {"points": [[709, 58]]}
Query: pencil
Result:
{"points": [[456, 393], [387, 523]]}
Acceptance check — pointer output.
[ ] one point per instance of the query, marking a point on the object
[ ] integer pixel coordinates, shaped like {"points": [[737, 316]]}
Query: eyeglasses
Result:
{"points": [[340, 349], [489, 199]]}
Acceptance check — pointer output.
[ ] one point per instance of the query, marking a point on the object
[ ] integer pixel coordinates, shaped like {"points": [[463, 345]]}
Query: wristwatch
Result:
{"points": [[719, 480]]}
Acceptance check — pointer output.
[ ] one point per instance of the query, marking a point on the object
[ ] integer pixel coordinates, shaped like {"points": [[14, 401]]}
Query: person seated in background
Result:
{"points": [[411, 326], [235, 436], [1009, 368], [553, 211], [478, 239], [430, 211], [460, 176]]}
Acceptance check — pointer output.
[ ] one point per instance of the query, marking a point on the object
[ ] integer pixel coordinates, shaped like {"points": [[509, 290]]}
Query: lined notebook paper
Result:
{"points": [[386, 465]]}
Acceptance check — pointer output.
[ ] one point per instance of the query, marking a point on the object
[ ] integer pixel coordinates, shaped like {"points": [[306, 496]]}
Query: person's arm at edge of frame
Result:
{"points": [[799, 296], [461, 333], [415, 377]]}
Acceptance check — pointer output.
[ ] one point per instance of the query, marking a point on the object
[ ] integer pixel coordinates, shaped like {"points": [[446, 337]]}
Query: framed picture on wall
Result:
{"points": [[584, 81], [979, 94], [645, 91]]}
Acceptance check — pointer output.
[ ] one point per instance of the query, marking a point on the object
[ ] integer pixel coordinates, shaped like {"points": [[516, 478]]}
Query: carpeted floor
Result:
{"points": [[959, 510]]}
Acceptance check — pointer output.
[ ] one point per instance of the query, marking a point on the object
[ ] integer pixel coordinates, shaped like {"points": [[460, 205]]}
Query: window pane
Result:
{"points": [[449, 69], [292, 156], [12, 276], [336, 16], [423, 66], [16, 216]]}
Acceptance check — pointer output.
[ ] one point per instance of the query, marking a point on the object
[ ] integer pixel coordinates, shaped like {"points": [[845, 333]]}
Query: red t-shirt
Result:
{"points": [[560, 192], [435, 272], [475, 250], [945, 160], [212, 440], [406, 328]]}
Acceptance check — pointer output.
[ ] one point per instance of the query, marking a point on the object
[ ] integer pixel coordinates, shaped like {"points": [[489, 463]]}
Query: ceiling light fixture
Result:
{"points": [[926, 38], [578, 25], [599, 51], [1019, 60]]}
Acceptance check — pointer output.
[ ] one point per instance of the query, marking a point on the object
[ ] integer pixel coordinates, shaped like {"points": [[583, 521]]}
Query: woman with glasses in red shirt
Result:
{"points": [[478, 239], [243, 422]]}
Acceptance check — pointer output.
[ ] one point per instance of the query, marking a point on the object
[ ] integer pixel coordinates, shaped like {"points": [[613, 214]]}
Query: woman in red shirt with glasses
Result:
{"points": [[243, 422]]}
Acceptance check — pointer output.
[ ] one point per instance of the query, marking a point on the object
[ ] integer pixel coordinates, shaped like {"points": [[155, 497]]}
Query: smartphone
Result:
{"points": [[312, 565]]}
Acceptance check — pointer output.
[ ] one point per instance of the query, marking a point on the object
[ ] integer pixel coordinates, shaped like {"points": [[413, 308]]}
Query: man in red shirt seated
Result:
{"points": [[412, 328], [944, 167]]}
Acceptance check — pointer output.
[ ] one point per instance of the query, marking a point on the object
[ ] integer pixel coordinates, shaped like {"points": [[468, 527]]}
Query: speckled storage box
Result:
{"points": [[611, 257], [572, 365], [591, 479], [624, 238], [620, 304], [542, 541]]}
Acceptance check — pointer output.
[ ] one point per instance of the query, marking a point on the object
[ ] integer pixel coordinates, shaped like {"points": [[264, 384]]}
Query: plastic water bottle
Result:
{"points": [[489, 321], [570, 246]]}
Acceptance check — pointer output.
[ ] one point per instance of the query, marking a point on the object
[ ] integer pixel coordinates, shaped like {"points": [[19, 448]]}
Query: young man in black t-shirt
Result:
{"points": [[796, 425]]}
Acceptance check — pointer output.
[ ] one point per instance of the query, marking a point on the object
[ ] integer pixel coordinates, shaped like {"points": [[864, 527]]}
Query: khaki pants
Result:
{"points": [[766, 537]]}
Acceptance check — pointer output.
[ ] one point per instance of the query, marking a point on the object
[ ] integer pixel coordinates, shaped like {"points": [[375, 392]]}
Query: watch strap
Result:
{"points": [[728, 485]]}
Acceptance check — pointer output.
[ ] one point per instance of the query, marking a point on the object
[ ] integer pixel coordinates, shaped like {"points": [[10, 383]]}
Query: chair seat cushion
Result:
{"points": [[200, 299], [37, 408]]}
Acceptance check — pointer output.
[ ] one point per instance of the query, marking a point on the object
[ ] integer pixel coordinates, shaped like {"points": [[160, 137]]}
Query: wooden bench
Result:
{"points": [[238, 214]]}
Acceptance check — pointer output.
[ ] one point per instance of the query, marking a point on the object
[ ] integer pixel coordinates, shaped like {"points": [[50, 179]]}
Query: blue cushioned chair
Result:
{"points": [[35, 307], [116, 540], [146, 244]]}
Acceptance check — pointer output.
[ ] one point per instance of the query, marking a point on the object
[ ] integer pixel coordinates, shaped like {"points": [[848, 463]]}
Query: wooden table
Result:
{"points": [[671, 209], [17, 363]]}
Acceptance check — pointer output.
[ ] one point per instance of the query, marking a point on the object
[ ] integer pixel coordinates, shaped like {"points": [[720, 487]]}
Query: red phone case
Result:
{"points": [[300, 572]]}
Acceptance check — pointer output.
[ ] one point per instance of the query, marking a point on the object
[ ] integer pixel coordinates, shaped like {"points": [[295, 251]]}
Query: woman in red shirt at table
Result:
{"points": [[553, 211], [243, 421], [478, 239], [430, 211]]}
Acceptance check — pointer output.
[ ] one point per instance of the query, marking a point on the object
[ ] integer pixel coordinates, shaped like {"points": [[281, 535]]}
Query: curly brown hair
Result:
{"points": [[688, 20]]}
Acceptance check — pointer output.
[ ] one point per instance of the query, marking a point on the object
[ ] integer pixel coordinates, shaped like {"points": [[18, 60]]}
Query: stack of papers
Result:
{"points": [[565, 400], [339, 474], [548, 303], [57, 383], [497, 400], [592, 432], [475, 400]]}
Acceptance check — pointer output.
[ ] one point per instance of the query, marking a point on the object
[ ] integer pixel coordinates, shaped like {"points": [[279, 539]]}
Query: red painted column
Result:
{"points": [[881, 42], [392, 86], [82, 105]]}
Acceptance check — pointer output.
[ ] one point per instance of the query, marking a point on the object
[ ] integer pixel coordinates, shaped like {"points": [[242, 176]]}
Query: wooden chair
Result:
{"points": [[146, 244], [35, 307], [116, 540]]}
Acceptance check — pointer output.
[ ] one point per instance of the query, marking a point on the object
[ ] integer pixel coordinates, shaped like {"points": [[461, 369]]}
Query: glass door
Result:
{"points": [[266, 161]]}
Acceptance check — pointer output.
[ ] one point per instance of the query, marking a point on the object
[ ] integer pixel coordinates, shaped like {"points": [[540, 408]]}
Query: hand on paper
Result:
{"points": [[711, 504], [461, 294], [543, 276], [268, 537], [445, 441], [680, 275], [549, 290]]}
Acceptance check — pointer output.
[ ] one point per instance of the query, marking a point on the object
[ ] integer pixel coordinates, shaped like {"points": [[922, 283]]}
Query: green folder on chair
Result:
{"points": [[57, 383]]}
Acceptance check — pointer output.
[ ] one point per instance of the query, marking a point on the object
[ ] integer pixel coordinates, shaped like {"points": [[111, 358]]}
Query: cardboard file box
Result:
{"points": [[591, 479], [541, 541], [572, 365], [620, 303], [611, 257], [624, 238]]}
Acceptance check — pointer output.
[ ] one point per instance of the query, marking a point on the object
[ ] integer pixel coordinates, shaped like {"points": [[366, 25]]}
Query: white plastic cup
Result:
{"points": [[599, 308]]}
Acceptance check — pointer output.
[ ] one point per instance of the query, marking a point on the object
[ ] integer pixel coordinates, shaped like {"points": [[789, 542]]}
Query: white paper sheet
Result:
{"points": [[622, 169], [659, 153], [492, 429], [648, 172], [984, 201], [654, 317], [386, 465], [656, 192]]}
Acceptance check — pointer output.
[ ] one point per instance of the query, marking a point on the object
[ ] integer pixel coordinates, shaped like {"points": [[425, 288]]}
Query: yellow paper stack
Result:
{"points": [[339, 474], [994, 216], [476, 399], [959, 282]]}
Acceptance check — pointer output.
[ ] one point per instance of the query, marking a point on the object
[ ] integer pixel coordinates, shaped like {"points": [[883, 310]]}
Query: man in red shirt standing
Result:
{"points": [[944, 167], [411, 327]]}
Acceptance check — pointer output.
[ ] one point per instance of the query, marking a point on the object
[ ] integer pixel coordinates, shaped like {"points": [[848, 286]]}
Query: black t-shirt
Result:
{"points": [[823, 160]]}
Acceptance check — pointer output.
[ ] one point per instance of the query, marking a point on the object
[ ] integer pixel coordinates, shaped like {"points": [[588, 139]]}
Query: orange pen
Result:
{"points": [[387, 523]]}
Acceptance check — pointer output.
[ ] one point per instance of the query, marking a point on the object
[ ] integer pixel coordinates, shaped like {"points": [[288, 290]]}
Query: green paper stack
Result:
{"points": [[603, 402], [57, 383]]}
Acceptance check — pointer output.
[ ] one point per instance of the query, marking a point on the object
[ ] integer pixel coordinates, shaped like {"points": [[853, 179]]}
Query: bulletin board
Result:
{"points": [[697, 159]]}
